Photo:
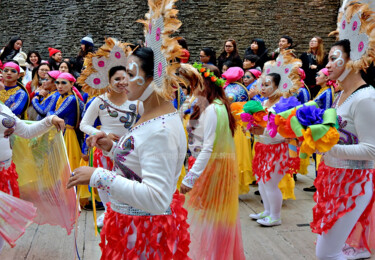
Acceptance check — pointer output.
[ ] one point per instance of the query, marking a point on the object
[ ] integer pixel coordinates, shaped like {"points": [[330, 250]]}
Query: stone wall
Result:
{"points": [[61, 24]]}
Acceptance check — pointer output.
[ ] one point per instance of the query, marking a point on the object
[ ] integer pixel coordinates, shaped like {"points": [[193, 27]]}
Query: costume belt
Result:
{"points": [[129, 210], [348, 164]]}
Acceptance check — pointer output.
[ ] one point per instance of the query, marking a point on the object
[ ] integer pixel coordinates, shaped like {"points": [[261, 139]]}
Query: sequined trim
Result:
{"points": [[129, 210], [190, 179], [152, 120], [348, 138], [347, 164], [104, 179]]}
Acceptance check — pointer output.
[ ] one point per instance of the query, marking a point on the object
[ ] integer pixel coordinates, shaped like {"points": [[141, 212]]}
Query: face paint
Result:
{"points": [[340, 62], [136, 77], [338, 59]]}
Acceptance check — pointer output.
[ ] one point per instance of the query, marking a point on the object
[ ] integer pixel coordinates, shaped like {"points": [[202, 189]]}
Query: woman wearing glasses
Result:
{"points": [[68, 107], [230, 53]]}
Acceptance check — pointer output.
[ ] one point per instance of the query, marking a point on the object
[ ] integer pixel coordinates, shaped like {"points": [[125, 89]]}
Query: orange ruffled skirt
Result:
{"points": [[157, 237], [334, 191], [267, 156], [8, 181]]}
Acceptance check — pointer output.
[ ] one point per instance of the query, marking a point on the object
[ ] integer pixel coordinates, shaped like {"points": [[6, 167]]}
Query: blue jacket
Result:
{"points": [[17, 102], [45, 105]]}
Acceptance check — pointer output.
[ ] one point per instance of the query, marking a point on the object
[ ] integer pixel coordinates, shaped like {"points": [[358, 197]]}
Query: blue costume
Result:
{"points": [[69, 110], [96, 124], [303, 95], [324, 99], [17, 101], [44, 105]]}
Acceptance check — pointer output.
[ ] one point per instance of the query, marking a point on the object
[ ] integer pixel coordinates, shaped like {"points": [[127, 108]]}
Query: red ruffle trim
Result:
{"points": [[331, 194], [10, 176], [268, 156], [98, 157], [171, 231]]}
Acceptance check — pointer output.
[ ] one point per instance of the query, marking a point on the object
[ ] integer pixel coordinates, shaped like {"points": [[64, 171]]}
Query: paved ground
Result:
{"points": [[292, 240]]}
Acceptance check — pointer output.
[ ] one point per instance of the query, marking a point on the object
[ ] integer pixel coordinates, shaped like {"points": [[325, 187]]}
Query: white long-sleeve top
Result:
{"points": [[11, 124], [119, 125], [148, 163], [356, 128], [201, 143]]}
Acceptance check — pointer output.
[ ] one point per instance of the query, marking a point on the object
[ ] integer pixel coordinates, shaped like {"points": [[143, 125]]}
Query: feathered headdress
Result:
{"points": [[356, 23], [95, 79], [286, 65], [160, 22]]}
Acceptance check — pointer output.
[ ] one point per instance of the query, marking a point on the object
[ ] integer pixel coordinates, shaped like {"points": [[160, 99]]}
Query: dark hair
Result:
{"points": [[9, 47], [229, 64], [88, 48], [234, 52], [37, 54], [113, 70], [288, 38], [252, 58], [70, 66], [183, 43], [211, 92], [345, 44], [146, 55], [275, 77], [261, 46], [211, 53]]}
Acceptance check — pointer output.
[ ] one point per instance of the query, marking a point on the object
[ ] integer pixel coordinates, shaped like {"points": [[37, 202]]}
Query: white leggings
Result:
{"points": [[271, 194], [329, 245]]}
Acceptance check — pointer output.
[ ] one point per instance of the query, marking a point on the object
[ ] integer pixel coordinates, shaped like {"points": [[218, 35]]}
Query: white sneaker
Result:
{"points": [[100, 221], [269, 222], [258, 216], [354, 253]]}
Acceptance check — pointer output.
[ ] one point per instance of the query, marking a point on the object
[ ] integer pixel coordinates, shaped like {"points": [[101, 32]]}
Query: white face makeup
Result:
{"points": [[140, 80], [337, 64], [268, 88], [338, 55]]}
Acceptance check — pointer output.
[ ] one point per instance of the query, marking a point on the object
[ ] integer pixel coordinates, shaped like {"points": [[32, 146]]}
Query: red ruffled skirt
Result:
{"points": [[156, 237], [268, 156], [99, 158], [8, 178], [334, 197]]}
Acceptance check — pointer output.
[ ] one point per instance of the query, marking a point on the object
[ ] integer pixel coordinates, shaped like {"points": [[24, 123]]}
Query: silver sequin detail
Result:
{"points": [[347, 164], [129, 210]]}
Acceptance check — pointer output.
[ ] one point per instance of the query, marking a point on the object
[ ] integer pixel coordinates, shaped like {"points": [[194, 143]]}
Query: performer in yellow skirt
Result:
{"points": [[68, 107]]}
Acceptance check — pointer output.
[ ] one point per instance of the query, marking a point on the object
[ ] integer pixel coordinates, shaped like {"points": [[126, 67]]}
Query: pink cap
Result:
{"points": [[255, 72], [233, 74], [325, 71], [13, 65], [67, 76], [54, 73]]}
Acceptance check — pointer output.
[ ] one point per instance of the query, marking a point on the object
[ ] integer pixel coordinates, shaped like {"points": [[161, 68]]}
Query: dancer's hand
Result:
{"points": [[114, 137], [184, 189], [252, 93], [81, 176], [2, 85], [256, 130], [100, 140], [58, 123]]}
